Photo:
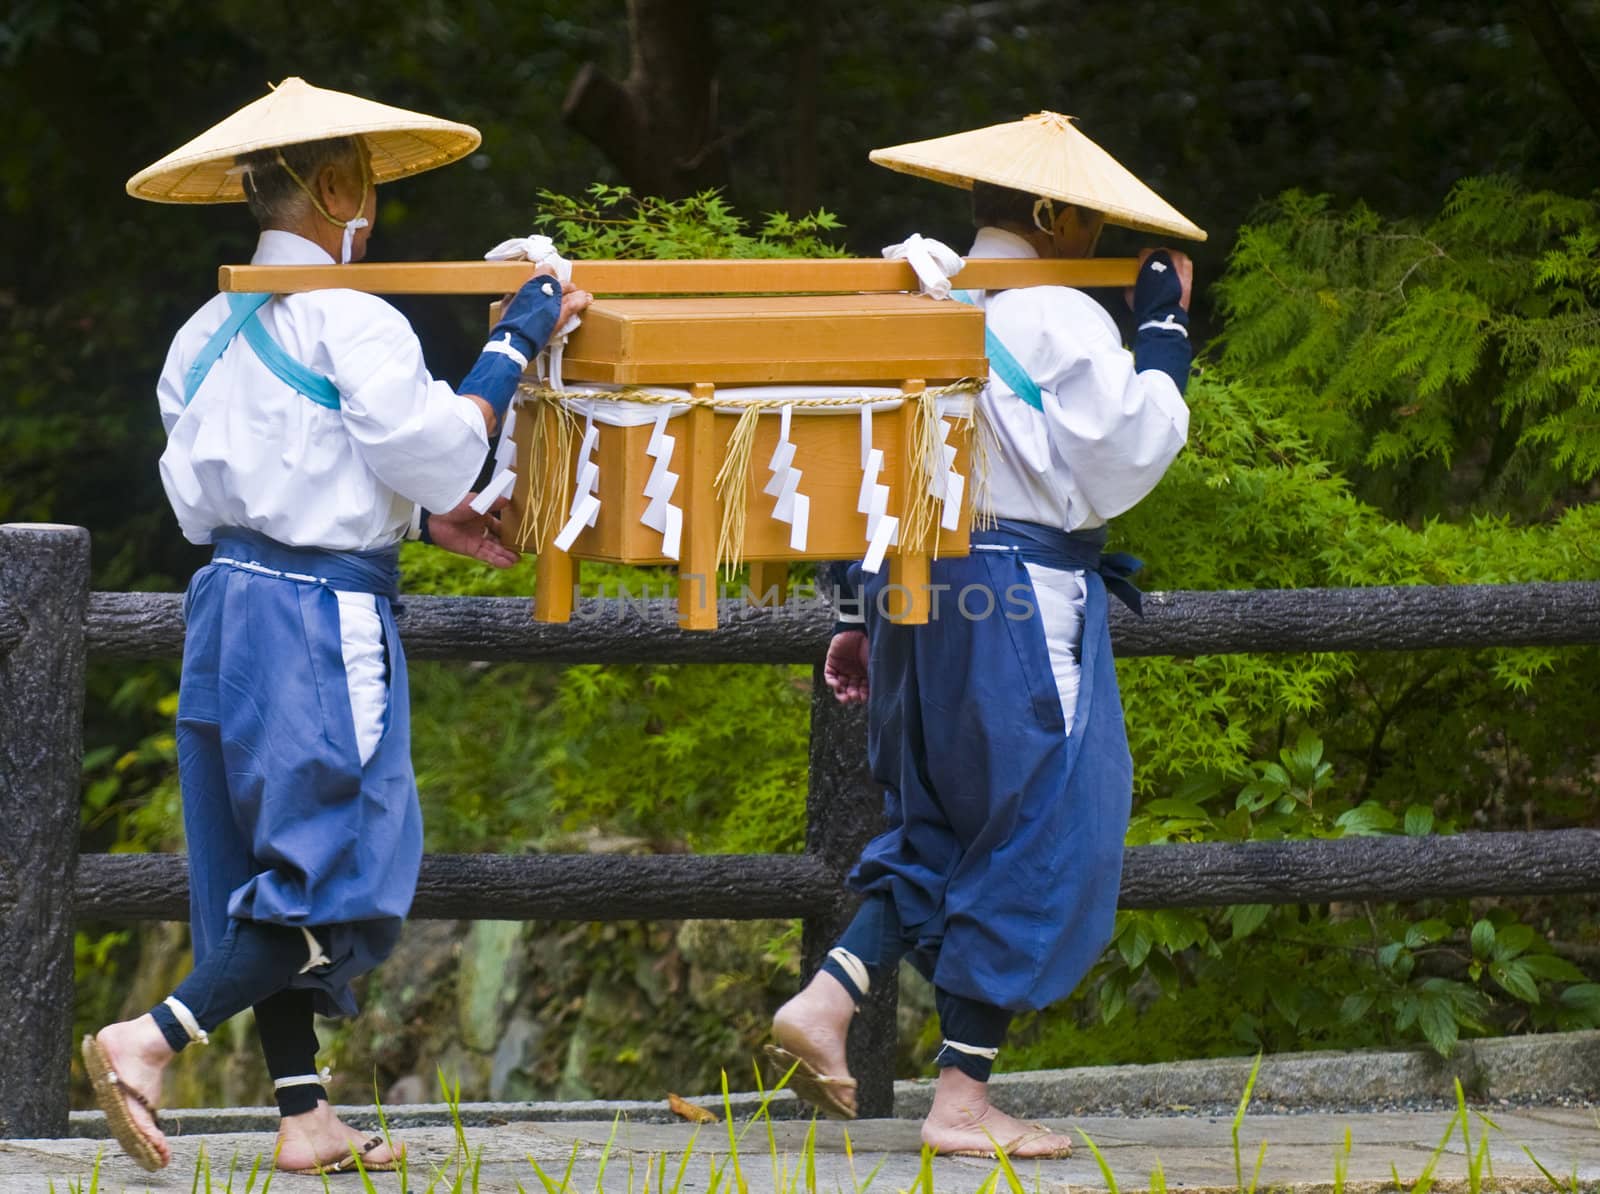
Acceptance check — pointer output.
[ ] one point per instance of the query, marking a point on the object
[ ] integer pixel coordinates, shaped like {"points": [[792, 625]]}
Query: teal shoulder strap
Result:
{"points": [[1008, 368], [238, 312], [244, 317], [288, 370]]}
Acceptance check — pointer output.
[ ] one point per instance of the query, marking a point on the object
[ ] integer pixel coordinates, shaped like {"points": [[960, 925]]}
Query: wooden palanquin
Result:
{"points": [[711, 346], [828, 322]]}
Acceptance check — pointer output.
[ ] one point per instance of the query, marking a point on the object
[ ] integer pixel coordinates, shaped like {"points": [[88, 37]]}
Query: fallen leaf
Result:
{"points": [[684, 1109]]}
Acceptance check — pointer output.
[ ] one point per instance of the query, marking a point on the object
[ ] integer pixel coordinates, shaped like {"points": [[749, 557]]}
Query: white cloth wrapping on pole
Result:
{"points": [[933, 261], [541, 250]]}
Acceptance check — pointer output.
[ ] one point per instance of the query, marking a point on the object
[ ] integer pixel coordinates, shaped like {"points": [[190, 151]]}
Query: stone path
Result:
{"points": [[1195, 1152]]}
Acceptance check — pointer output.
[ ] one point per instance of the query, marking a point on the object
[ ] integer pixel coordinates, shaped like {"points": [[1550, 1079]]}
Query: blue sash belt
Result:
{"points": [[376, 571], [1076, 551]]}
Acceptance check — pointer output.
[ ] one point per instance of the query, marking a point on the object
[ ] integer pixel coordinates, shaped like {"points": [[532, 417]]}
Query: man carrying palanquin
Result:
{"points": [[996, 728], [305, 436]]}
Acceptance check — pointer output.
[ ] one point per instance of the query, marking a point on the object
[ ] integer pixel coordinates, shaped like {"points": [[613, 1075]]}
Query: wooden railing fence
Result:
{"points": [[50, 623]]}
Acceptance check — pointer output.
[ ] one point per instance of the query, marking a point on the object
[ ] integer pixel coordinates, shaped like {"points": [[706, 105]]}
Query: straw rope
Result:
{"points": [[985, 449], [730, 399], [919, 526], [919, 530], [732, 487], [547, 490]]}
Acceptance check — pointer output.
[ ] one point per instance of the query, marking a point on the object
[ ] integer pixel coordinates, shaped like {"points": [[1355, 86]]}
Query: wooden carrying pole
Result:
{"points": [[793, 276]]}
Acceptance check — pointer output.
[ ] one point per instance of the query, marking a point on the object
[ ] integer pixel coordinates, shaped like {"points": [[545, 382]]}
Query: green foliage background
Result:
{"points": [[1342, 399], [1401, 389]]}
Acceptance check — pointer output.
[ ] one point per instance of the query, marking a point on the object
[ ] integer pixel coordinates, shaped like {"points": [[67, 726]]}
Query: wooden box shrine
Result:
{"points": [[703, 432]]}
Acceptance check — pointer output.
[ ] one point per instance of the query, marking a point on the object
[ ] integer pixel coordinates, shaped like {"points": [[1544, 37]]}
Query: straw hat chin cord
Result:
{"points": [[350, 225], [1044, 215]]}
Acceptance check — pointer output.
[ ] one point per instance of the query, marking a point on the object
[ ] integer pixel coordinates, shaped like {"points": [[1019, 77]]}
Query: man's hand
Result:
{"points": [[573, 304], [468, 533], [1181, 265], [845, 669]]}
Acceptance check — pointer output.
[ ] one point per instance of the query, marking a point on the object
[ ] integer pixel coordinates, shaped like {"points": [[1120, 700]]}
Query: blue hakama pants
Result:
{"points": [[285, 825], [1003, 853]]}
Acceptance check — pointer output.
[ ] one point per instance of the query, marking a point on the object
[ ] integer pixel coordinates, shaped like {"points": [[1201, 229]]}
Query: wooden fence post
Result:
{"points": [[44, 591], [844, 810]]}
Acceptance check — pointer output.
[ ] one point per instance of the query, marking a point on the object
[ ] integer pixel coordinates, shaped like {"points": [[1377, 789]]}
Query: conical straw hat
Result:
{"points": [[401, 142], [1042, 155]]}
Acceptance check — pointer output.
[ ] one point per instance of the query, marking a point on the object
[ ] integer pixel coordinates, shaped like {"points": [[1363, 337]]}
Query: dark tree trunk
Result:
{"points": [[659, 126], [1565, 60], [801, 183]]}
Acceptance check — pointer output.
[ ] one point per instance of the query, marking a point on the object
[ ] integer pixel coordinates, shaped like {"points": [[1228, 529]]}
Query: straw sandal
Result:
{"points": [[993, 1154], [816, 1088], [348, 1164], [112, 1094]]}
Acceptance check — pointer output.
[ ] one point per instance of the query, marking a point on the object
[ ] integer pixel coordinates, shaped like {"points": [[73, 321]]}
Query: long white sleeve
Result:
{"points": [[418, 436], [247, 450], [1111, 431]]}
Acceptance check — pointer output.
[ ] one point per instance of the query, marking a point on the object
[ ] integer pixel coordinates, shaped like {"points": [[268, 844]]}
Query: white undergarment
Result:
{"points": [[361, 639], [1060, 596]]}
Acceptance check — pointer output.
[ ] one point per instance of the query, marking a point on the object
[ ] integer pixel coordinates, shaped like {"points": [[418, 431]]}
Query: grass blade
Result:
{"points": [[250, 1182], [1106, 1175], [779, 1173], [683, 1161], [549, 1186], [1158, 1179], [605, 1155], [1238, 1121], [871, 1177], [1425, 1181], [566, 1174], [733, 1144], [1261, 1158], [766, 1099], [266, 1183], [1555, 1182]]}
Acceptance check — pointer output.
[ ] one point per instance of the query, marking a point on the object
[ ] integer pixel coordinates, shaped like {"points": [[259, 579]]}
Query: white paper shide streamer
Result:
{"points": [[883, 528], [585, 509], [505, 458], [944, 483], [791, 506], [660, 514]]}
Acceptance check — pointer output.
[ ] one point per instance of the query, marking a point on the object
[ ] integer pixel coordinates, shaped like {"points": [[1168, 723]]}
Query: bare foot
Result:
{"points": [[138, 1053], [320, 1137], [963, 1120], [813, 1026]]}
